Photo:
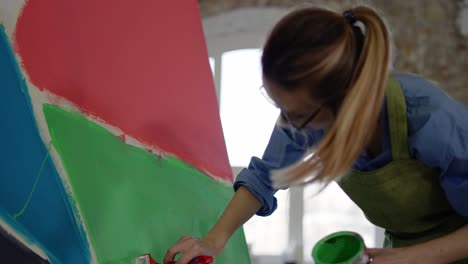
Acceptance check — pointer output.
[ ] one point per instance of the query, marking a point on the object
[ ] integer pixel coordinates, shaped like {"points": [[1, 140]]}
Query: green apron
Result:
{"points": [[404, 197]]}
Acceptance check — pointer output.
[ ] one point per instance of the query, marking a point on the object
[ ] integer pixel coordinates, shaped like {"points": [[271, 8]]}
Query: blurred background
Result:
{"points": [[430, 39]]}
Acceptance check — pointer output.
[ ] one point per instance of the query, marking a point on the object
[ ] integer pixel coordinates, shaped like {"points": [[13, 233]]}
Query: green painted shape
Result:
{"points": [[132, 202]]}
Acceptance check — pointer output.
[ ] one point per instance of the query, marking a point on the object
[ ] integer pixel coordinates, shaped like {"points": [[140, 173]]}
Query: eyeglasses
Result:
{"points": [[304, 123], [286, 117]]}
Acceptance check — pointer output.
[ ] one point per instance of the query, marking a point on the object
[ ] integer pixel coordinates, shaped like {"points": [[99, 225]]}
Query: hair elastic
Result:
{"points": [[348, 14]]}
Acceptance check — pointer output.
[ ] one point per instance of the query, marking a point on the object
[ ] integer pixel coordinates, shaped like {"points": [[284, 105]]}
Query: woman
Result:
{"points": [[395, 143]]}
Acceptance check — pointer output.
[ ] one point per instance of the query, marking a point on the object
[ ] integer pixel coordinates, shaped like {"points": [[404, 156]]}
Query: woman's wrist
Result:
{"points": [[242, 207], [217, 239]]}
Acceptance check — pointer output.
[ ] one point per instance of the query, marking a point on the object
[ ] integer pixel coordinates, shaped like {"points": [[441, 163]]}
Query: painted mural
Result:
{"points": [[112, 144]]}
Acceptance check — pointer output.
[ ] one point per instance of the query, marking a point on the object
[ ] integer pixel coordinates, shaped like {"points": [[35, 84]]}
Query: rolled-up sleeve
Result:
{"points": [[281, 151], [260, 185]]}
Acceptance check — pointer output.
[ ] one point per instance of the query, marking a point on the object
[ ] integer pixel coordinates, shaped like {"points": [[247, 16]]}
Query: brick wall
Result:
{"points": [[428, 34]]}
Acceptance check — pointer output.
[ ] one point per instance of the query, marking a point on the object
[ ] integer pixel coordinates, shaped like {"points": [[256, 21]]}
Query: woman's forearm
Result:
{"points": [[447, 249], [242, 207]]}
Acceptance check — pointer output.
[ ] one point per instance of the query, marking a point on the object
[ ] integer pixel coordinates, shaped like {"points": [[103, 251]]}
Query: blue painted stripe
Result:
{"points": [[49, 214]]}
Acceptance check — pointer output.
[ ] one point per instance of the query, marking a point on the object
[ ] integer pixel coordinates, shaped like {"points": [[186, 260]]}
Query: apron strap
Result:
{"points": [[397, 121]]}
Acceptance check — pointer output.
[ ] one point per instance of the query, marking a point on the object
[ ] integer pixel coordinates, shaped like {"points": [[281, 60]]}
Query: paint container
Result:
{"points": [[145, 259], [340, 248]]}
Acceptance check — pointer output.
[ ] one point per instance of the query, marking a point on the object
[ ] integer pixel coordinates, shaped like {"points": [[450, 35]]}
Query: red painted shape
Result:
{"points": [[141, 66]]}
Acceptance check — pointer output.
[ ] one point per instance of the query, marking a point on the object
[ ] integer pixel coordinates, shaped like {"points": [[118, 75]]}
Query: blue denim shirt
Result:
{"points": [[437, 136]]}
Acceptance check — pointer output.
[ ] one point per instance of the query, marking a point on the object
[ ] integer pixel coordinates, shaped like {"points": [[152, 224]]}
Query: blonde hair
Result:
{"points": [[350, 75]]}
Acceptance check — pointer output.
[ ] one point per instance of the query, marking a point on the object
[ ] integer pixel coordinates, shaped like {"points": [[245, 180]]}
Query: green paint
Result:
{"points": [[132, 202]]}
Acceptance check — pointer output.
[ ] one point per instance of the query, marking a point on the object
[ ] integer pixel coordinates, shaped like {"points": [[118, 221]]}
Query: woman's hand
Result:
{"points": [[241, 208], [406, 255], [191, 248]]}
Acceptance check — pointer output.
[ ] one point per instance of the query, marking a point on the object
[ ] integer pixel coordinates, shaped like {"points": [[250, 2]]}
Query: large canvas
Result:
{"points": [[112, 143]]}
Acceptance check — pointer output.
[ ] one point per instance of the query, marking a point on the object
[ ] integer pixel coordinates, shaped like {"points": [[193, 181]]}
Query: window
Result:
{"points": [[212, 65], [246, 116], [248, 119]]}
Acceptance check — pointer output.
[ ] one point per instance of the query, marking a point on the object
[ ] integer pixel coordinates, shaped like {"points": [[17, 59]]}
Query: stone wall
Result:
{"points": [[431, 36]]}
